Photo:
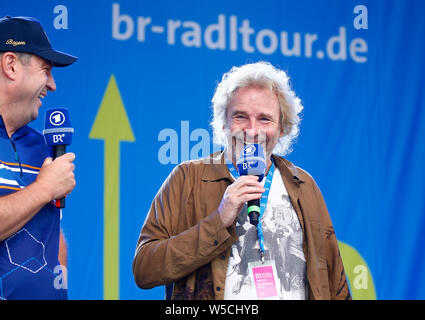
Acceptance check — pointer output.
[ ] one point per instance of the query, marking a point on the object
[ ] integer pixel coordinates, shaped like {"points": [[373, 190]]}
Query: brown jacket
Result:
{"points": [[184, 245]]}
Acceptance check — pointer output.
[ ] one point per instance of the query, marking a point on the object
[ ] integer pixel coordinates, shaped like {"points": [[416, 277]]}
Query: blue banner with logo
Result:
{"points": [[140, 95]]}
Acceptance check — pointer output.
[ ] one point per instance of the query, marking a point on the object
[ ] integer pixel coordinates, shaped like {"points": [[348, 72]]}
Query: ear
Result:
{"points": [[9, 65]]}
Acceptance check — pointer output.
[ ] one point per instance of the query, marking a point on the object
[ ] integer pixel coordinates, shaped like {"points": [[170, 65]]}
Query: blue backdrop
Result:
{"points": [[140, 94]]}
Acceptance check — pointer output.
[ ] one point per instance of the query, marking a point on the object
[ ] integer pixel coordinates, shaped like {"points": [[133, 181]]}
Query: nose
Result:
{"points": [[252, 129], [51, 84], [251, 126]]}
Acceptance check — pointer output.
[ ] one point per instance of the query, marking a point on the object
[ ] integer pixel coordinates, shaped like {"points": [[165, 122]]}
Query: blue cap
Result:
{"points": [[25, 34]]}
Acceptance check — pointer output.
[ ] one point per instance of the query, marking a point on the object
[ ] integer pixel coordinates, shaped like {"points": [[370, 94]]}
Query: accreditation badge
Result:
{"points": [[264, 279]]}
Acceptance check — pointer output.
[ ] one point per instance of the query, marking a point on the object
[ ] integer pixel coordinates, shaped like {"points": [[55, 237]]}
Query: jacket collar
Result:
{"points": [[2, 127], [215, 167], [17, 134], [288, 170]]}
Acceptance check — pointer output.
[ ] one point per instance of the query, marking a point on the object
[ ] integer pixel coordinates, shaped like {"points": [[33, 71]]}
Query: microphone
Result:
{"points": [[252, 162], [58, 134]]}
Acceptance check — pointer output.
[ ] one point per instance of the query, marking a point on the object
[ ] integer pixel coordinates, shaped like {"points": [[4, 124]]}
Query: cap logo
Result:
{"points": [[15, 43]]}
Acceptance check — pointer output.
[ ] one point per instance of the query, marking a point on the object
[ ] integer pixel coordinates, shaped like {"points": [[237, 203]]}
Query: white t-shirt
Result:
{"points": [[283, 240]]}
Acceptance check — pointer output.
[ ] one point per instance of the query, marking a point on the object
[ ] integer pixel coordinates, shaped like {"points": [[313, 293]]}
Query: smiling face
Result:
{"points": [[34, 81], [253, 116]]}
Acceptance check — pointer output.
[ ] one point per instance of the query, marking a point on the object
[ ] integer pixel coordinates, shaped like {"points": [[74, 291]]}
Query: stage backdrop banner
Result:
{"points": [[140, 103]]}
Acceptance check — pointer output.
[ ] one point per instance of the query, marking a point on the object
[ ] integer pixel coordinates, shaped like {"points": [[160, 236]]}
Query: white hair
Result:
{"points": [[265, 75]]}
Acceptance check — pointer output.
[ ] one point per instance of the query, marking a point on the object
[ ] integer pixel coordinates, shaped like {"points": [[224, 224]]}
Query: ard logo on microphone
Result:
{"points": [[57, 127], [249, 150], [57, 118]]}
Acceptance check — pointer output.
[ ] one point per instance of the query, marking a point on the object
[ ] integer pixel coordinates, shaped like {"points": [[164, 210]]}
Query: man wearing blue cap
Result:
{"points": [[29, 179]]}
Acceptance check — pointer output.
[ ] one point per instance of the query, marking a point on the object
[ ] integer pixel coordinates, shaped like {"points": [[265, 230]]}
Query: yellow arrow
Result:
{"points": [[112, 126]]}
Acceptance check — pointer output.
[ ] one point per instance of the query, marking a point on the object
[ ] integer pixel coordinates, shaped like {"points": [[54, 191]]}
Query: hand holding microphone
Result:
{"points": [[56, 177], [252, 163], [247, 188], [58, 172]]}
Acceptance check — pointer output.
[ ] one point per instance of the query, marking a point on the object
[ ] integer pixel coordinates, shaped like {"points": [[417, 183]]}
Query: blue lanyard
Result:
{"points": [[263, 200]]}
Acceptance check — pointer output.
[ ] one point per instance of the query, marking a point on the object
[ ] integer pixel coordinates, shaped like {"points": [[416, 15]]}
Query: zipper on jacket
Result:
{"points": [[16, 155]]}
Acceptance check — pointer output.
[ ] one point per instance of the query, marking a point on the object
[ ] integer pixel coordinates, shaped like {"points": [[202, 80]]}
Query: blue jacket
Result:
{"points": [[29, 267]]}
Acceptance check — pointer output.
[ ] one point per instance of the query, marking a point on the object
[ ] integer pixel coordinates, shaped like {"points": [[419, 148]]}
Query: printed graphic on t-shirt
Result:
{"points": [[283, 248]]}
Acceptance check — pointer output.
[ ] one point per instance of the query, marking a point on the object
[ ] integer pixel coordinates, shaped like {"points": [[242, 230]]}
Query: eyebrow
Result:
{"points": [[262, 114], [46, 63], [238, 112]]}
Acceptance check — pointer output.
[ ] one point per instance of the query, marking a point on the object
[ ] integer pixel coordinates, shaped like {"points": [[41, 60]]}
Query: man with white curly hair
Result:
{"points": [[197, 239], [260, 76]]}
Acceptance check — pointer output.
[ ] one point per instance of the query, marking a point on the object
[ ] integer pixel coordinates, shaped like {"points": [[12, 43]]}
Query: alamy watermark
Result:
{"points": [[186, 144], [61, 279]]}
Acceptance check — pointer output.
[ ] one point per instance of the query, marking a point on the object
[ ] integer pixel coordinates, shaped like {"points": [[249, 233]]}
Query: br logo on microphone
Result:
{"points": [[57, 118], [58, 138], [246, 165]]}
